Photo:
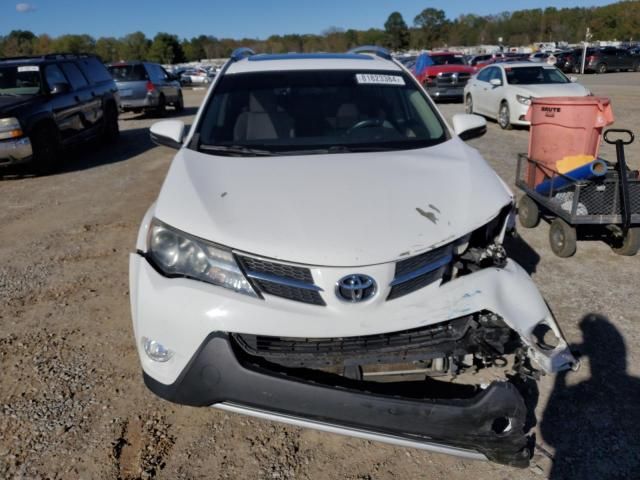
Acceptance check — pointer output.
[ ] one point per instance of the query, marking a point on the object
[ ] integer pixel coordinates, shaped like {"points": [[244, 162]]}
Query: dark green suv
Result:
{"points": [[51, 102]]}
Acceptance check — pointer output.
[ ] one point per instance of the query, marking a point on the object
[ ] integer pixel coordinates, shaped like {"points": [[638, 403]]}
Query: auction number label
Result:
{"points": [[28, 68], [378, 79]]}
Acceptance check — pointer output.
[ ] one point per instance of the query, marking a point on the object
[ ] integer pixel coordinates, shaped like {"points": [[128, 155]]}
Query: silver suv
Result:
{"points": [[145, 86]]}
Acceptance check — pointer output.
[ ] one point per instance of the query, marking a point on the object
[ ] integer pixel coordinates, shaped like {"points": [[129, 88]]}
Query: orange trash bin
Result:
{"points": [[562, 127]]}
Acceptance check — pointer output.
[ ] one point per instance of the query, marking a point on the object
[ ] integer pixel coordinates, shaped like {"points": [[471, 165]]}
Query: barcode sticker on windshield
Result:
{"points": [[378, 79], [28, 68]]}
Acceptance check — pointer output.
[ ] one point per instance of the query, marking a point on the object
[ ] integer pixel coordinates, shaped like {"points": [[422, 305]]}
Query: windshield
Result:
{"points": [[128, 73], [447, 59], [535, 75], [20, 80], [306, 112]]}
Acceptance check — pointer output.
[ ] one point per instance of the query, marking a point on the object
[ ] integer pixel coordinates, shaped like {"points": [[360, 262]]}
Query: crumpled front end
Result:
{"points": [[420, 362]]}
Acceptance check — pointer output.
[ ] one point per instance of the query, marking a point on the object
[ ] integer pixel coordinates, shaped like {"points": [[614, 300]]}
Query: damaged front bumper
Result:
{"points": [[488, 424], [204, 327]]}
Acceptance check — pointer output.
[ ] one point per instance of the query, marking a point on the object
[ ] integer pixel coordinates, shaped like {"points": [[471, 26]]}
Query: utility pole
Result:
{"points": [[587, 37]]}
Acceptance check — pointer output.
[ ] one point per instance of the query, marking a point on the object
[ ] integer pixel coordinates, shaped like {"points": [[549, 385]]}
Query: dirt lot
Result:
{"points": [[73, 405]]}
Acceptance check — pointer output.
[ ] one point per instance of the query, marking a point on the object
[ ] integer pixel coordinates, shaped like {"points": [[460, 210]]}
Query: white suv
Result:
{"points": [[326, 251]]}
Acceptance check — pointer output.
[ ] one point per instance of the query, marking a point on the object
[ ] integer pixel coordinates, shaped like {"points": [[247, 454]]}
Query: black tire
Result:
{"points": [[528, 212], [636, 67], [161, 109], [562, 238], [46, 148], [601, 68], [504, 116], [468, 104], [179, 104], [630, 245], [576, 68], [111, 131]]}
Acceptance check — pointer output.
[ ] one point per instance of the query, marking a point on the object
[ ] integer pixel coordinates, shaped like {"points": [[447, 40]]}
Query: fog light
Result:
{"points": [[155, 350]]}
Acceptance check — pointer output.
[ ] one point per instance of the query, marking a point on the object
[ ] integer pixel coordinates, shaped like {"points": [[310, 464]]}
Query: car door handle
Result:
{"points": [[93, 94], [76, 98]]}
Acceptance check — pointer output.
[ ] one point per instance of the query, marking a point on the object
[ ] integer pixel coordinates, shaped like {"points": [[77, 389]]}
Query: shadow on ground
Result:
{"points": [[594, 426], [519, 250], [92, 154]]}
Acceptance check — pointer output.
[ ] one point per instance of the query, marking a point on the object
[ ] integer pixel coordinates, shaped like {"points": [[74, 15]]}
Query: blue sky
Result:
{"points": [[233, 18]]}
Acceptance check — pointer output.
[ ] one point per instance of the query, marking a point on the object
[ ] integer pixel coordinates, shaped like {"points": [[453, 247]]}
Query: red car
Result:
{"points": [[446, 77]]}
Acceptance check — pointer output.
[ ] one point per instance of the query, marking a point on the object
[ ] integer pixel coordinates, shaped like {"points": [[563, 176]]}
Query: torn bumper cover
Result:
{"points": [[490, 422]]}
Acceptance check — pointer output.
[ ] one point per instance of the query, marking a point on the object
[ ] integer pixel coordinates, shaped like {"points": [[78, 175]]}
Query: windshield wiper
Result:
{"points": [[334, 149], [235, 150]]}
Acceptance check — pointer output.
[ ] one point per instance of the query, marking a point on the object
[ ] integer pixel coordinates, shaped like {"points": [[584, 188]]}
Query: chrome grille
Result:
{"points": [[281, 280], [454, 79], [419, 271]]}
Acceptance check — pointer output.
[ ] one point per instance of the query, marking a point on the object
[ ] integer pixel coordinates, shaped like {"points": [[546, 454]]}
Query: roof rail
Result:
{"points": [[240, 53], [56, 55], [50, 56], [378, 51]]}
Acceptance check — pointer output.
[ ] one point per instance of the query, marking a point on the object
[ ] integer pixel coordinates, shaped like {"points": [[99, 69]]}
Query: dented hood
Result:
{"points": [[333, 210]]}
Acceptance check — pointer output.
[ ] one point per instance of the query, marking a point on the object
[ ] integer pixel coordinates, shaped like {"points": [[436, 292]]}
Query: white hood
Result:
{"points": [[552, 90], [333, 210]]}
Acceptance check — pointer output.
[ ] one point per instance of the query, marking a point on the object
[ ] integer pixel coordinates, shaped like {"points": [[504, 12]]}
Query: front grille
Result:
{"points": [[291, 293], [281, 280], [452, 79], [419, 271], [295, 351], [416, 283], [280, 269]]}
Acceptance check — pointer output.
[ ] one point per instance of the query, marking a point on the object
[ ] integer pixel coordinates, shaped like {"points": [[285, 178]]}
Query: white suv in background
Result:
{"points": [[326, 251]]}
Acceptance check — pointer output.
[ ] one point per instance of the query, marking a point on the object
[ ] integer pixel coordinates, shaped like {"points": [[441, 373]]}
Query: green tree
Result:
{"points": [[432, 23], [397, 32], [194, 49], [74, 44], [165, 49], [108, 48], [134, 46], [18, 42]]}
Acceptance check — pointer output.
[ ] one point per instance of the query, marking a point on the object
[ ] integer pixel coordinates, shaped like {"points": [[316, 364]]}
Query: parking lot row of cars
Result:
{"points": [[52, 101], [502, 86], [598, 60]]}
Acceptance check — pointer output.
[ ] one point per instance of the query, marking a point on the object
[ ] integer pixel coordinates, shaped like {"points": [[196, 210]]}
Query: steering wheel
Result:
{"points": [[372, 122]]}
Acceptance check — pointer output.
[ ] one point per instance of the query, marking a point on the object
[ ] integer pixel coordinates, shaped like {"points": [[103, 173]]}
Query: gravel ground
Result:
{"points": [[73, 405]]}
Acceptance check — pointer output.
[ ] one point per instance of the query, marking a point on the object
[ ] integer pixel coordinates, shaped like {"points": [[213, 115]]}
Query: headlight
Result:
{"points": [[178, 254], [10, 128], [523, 100]]}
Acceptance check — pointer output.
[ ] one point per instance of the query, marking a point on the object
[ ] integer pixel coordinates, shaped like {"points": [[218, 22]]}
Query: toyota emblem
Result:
{"points": [[356, 288]]}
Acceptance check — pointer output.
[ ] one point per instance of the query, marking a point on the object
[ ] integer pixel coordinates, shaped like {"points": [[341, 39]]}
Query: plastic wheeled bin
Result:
{"points": [[562, 127]]}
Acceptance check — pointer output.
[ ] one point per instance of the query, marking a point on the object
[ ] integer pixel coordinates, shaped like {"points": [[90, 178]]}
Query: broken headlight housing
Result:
{"points": [[483, 247], [178, 254]]}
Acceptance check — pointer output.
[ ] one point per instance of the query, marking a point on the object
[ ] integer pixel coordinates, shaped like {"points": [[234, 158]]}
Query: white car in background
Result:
{"points": [[197, 76], [504, 91]]}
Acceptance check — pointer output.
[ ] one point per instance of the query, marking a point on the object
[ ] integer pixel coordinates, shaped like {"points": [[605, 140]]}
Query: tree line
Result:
{"points": [[430, 29]]}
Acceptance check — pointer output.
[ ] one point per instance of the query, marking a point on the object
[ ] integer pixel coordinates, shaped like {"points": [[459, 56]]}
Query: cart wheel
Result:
{"points": [[528, 212], [562, 238], [630, 245]]}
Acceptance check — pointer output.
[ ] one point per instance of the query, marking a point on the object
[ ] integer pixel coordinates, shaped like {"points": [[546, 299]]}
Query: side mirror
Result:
{"points": [[496, 82], [468, 126], [169, 133], [573, 79], [58, 88]]}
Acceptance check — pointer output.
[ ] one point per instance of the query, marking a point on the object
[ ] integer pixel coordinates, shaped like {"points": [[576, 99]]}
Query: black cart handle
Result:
{"points": [[618, 130]]}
